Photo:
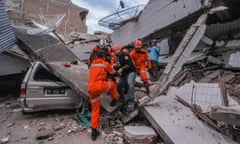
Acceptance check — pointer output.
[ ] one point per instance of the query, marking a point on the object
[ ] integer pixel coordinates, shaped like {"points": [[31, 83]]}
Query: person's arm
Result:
{"points": [[149, 64], [111, 70], [157, 49], [123, 68]]}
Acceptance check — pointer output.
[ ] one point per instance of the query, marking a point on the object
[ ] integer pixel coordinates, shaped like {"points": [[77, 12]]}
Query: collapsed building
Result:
{"points": [[12, 61], [62, 17], [199, 57], [199, 43]]}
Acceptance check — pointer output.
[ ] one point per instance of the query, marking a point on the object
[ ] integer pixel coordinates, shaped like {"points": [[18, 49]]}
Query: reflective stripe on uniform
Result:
{"points": [[95, 100], [142, 71], [99, 65]]}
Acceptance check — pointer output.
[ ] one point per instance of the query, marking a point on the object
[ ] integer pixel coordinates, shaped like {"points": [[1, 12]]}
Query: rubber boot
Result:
{"points": [[146, 85], [95, 134]]}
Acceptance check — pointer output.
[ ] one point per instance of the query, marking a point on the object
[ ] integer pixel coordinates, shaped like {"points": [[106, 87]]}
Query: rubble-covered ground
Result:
{"points": [[57, 127], [60, 127]]}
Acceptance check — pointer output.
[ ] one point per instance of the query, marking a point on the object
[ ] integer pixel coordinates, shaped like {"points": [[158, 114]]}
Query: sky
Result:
{"points": [[101, 8]]}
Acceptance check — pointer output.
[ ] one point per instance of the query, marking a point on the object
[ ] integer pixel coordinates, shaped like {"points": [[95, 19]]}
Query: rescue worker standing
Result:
{"points": [[153, 51], [141, 62], [98, 84]]}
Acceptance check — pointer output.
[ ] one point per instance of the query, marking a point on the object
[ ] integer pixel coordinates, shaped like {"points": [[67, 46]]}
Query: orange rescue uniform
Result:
{"points": [[98, 84], [141, 62]]}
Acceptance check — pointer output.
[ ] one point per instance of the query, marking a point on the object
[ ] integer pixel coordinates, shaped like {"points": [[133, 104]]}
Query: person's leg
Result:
{"points": [[131, 91], [95, 112], [121, 87], [155, 69], [143, 74], [151, 71], [113, 89]]}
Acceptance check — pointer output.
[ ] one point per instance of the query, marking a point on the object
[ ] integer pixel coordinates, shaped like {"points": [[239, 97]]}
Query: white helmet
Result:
{"points": [[103, 43]]}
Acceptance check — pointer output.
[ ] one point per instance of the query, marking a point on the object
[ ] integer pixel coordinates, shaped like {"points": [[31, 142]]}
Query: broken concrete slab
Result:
{"points": [[76, 76], [44, 134], [215, 31], [5, 140], [126, 117], [176, 123], [105, 103], [184, 50], [214, 60], [205, 95], [232, 59], [210, 77], [226, 114], [207, 40], [140, 135], [167, 13]]}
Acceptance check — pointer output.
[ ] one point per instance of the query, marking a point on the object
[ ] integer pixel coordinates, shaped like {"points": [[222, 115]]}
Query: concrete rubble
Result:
{"points": [[140, 135], [196, 99], [203, 54]]}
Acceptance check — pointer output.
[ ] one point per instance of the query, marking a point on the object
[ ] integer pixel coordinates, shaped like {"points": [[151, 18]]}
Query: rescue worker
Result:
{"points": [[103, 45], [141, 62], [126, 82], [98, 84], [153, 52], [114, 51]]}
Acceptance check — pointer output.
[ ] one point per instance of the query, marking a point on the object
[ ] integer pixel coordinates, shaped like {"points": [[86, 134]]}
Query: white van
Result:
{"points": [[41, 90]]}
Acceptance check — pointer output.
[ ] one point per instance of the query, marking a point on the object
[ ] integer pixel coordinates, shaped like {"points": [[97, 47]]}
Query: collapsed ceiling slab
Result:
{"points": [[55, 54]]}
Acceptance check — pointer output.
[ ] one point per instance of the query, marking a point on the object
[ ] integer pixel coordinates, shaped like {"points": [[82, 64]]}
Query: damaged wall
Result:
{"points": [[32, 9], [7, 36], [156, 15]]}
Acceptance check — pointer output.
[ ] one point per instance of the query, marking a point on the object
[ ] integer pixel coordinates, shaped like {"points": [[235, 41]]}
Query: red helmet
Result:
{"points": [[138, 43], [125, 50], [116, 48]]}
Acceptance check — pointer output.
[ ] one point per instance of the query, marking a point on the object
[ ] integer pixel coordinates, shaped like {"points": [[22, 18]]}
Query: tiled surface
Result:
{"points": [[206, 95]]}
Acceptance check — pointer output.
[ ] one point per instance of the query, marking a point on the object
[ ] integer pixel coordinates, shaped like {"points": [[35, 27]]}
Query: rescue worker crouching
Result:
{"points": [[98, 84]]}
